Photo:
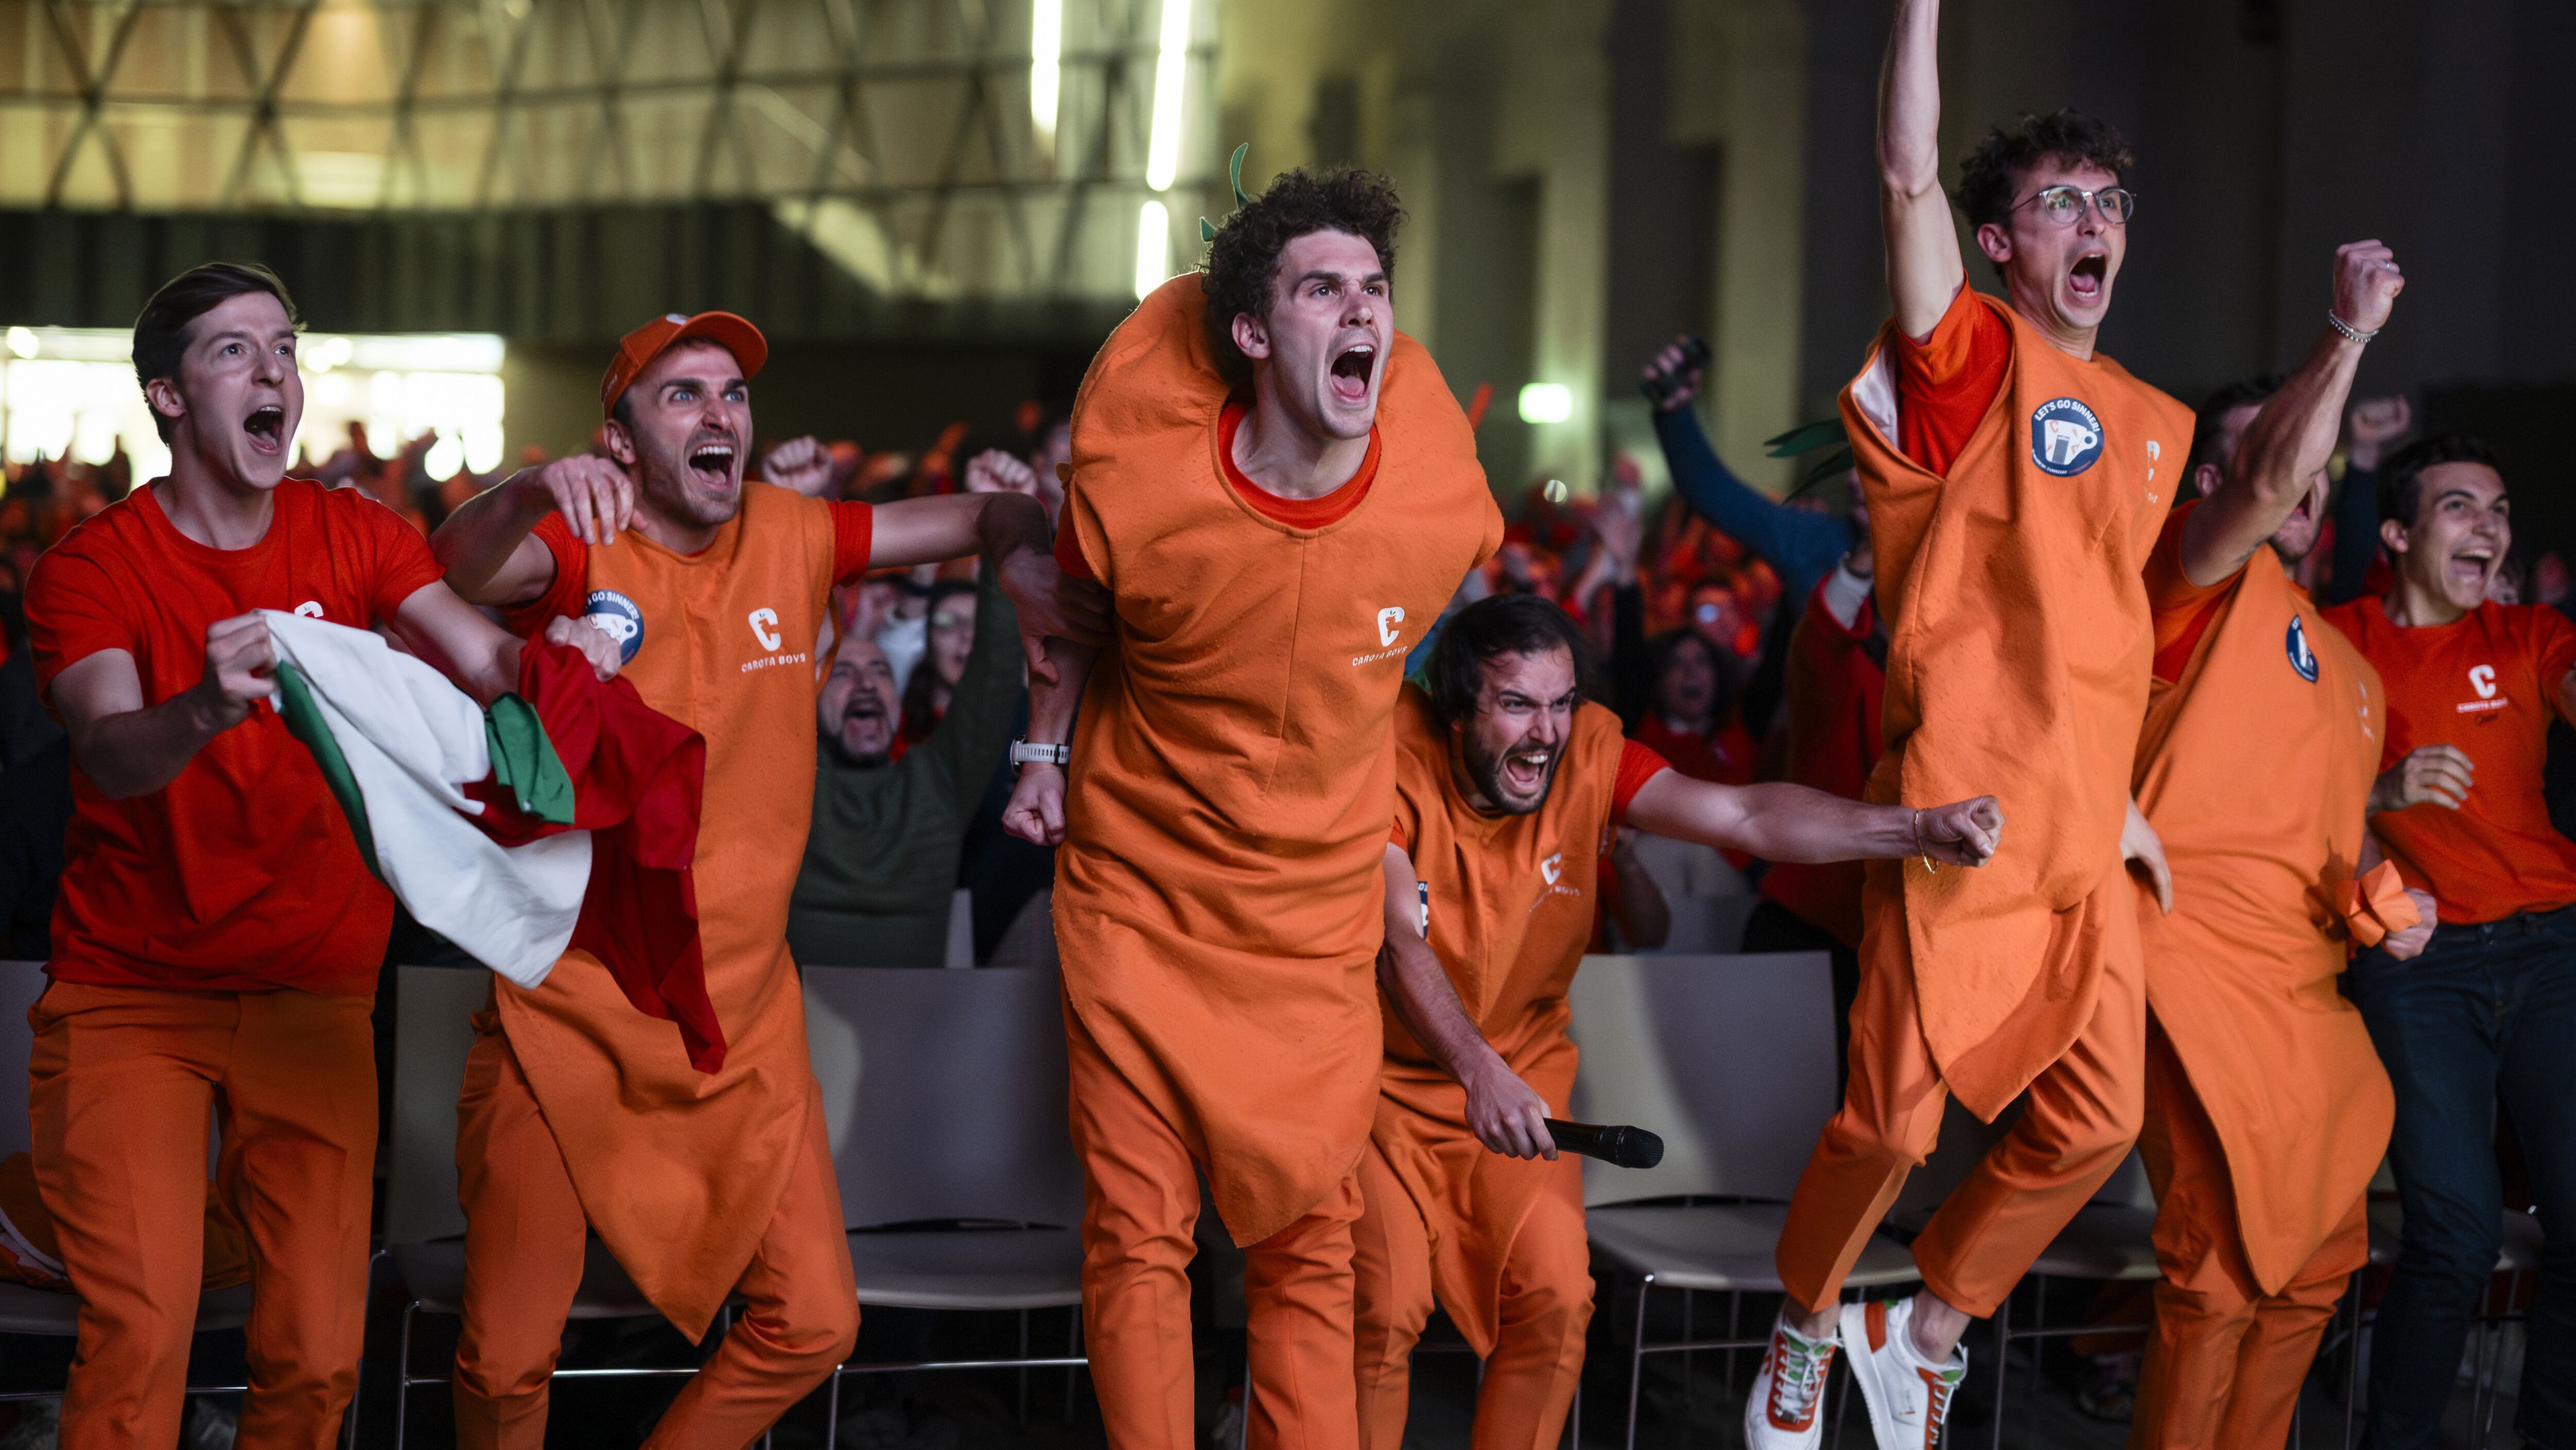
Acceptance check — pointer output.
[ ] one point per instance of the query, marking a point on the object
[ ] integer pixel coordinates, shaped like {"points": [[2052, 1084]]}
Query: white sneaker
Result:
{"points": [[1780, 1413], [1908, 1396]]}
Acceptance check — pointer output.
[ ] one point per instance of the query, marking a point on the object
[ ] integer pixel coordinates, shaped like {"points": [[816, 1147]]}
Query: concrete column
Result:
{"points": [[1552, 122]]}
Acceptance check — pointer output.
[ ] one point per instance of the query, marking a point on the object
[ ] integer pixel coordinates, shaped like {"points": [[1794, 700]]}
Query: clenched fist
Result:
{"points": [[2366, 285]]}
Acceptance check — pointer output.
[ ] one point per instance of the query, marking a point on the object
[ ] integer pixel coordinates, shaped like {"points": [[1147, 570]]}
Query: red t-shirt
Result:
{"points": [[1946, 382], [1834, 690], [240, 875], [2183, 610], [2488, 684], [1296, 513], [853, 536]]}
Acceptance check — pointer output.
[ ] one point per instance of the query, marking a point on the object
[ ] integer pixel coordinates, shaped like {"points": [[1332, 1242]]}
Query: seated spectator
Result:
{"points": [[949, 638], [881, 864]]}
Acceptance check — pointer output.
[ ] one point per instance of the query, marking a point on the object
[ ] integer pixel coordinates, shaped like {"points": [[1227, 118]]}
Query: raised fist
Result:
{"points": [[2366, 285], [799, 465]]}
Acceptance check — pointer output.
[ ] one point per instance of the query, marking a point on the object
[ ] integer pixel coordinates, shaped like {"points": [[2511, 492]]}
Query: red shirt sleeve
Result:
{"points": [[404, 564], [571, 587], [1637, 765], [1946, 382], [854, 536], [2553, 651], [1068, 555], [2182, 610], [72, 613]]}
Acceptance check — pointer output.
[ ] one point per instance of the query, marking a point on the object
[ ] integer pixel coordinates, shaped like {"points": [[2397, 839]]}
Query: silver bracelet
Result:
{"points": [[2350, 332]]}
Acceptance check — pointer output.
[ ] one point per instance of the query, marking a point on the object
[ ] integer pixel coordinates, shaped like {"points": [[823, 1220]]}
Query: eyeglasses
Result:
{"points": [[2064, 205]]}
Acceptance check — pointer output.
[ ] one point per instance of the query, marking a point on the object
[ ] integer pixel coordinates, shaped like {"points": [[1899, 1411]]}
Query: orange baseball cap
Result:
{"points": [[656, 337]]}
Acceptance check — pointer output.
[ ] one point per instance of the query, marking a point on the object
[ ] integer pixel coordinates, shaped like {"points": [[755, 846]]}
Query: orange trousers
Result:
{"points": [[120, 1088], [2225, 1363], [1140, 1206], [1529, 1379], [524, 1239], [2080, 1117]]}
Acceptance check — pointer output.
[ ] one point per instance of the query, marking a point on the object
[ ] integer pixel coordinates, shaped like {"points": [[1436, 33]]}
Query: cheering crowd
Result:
{"points": [[2131, 765]]}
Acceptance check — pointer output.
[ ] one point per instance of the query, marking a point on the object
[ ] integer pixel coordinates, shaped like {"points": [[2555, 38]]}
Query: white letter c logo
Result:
{"points": [[2482, 680], [760, 619]]}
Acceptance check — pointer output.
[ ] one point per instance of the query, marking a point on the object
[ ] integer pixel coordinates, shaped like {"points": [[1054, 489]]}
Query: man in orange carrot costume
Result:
{"points": [[2016, 480], [1506, 782], [1280, 493], [2267, 1110], [580, 1112]]}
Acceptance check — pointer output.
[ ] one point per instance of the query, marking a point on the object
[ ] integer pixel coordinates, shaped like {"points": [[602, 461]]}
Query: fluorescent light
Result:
{"points": [[1153, 246], [1046, 43], [1546, 403], [1163, 154], [22, 341]]}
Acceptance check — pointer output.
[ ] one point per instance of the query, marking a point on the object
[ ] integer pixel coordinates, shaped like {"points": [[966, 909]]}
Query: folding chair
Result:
{"points": [[424, 1224], [1731, 1059], [2109, 1239], [945, 1096], [46, 1312]]}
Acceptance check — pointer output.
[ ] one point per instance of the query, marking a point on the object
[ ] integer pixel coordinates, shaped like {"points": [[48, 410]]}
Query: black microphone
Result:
{"points": [[1620, 1146]]}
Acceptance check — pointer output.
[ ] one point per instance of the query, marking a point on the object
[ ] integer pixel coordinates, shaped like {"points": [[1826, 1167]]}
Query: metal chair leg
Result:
{"points": [[402, 1375], [832, 1413], [1574, 1421], [1637, 1358], [1690, 1332], [2003, 1362], [1024, 1374], [1072, 1350]]}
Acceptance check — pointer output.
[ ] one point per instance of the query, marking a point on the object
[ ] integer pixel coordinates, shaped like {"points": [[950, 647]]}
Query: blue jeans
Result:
{"points": [[2486, 1011]]}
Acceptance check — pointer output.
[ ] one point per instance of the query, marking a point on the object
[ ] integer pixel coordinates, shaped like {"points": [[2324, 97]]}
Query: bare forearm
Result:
{"points": [[1052, 703], [1645, 919], [476, 543], [2283, 450], [1009, 524], [1774, 822], [1420, 989], [140, 751]]}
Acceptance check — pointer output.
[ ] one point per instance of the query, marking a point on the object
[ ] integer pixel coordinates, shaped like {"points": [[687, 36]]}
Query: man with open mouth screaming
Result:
{"points": [[1281, 493], [1507, 782], [2016, 480], [2490, 1006], [217, 934], [579, 1113]]}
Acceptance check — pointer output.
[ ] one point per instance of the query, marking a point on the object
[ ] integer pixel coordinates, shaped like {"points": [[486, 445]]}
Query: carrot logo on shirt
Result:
{"points": [[615, 615], [2065, 437], [2302, 658], [310, 609], [760, 618], [2482, 680], [1387, 620], [1552, 867]]}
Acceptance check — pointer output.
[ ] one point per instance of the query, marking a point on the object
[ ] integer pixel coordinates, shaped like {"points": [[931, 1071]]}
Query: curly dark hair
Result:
{"points": [[1243, 260], [1992, 172], [1497, 625]]}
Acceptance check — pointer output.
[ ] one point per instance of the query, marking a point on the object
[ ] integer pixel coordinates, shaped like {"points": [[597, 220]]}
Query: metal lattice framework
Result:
{"points": [[899, 136]]}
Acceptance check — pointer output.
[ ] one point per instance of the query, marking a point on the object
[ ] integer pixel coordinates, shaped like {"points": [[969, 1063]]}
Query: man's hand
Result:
{"points": [[2141, 846], [799, 465], [1036, 810], [605, 656], [1505, 1114], [1052, 604], [1684, 386], [2375, 423], [2433, 775], [240, 663], [2366, 284], [1965, 833], [994, 471], [593, 494], [2401, 945]]}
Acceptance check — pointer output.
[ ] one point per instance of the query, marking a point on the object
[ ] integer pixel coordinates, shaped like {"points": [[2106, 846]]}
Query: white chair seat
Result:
{"points": [[26, 1310], [2105, 1241], [1720, 1246], [435, 1273], [973, 1268]]}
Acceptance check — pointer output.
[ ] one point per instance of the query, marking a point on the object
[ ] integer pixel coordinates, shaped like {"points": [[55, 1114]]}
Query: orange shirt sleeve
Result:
{"points": [[1947, 381], [1637, 765], [854, 535], [566, 595], [2183, 610]]}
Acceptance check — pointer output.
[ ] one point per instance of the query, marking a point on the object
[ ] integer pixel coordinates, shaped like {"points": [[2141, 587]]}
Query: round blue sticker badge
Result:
{"points": [[615, 615], [2065, 437], [2302, 658]]}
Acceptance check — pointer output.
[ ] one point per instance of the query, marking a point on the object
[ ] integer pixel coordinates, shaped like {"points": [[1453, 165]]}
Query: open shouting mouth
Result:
{"points": [[267, 429], [2091, 271], [1354, 370], [712, 463]]}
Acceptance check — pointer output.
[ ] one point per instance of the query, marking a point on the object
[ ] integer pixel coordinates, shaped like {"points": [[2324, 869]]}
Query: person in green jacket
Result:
{"points": [[881, 865]]}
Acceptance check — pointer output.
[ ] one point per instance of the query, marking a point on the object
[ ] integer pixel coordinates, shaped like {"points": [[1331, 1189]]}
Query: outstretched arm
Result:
{"points": [[1924, 270], [1505, 1113], [1011, 531], [1794, 823], [2286, 447]]}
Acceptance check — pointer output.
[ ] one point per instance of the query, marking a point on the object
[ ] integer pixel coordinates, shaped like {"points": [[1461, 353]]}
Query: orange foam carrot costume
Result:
{"points": [[1218, 890]]}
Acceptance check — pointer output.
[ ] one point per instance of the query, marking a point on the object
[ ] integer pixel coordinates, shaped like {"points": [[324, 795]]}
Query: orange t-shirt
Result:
{"points": [[853, 535], [240, 875], [2487, 683], [1297, 513]]}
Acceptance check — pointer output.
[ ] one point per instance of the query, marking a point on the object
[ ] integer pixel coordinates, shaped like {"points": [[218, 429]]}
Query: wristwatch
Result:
{"points": [[1026, 752]]}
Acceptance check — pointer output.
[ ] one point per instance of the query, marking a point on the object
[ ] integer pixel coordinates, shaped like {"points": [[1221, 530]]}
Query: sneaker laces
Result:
{"points": [[1938, 1386], [1798, 1369]]}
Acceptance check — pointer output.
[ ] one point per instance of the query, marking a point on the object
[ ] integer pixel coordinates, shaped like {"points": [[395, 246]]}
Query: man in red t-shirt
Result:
{"points": [[2490, 1006], [2015, 479], [217, 935], [1506, 781]]}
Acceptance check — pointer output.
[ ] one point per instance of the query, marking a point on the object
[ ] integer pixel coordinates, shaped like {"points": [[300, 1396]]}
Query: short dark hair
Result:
{"points": [[1721, 663], [161, 331], [2241, 393], [1498, 624], [1243, 259], [1992, 172], [2399, 498]]}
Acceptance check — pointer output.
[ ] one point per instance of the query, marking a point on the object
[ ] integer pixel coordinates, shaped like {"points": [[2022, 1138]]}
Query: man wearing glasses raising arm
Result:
{"points": [[2016, 480]]}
